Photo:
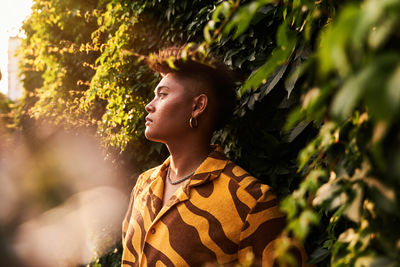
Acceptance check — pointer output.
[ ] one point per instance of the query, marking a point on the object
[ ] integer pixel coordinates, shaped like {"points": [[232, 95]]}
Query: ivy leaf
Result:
{"points": [[301, 226], [373, 260], [280, 56], [298, 70], [353, 212], [318, 255], [221, 10], [296, 131], [347, 97], [327, 192], [364, 84], [289, 206], [275, 79], [242, 18]]}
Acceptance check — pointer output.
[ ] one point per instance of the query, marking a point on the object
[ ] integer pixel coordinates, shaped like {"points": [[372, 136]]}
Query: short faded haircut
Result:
{"points": [[207, 70]]}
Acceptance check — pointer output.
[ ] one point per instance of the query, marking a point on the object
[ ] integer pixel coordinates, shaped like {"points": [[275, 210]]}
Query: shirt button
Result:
{"points": [[153, 231]]}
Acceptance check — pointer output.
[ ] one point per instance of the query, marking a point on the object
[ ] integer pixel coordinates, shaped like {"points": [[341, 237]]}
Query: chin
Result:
{"points": [[152, 137], [148, 135]]}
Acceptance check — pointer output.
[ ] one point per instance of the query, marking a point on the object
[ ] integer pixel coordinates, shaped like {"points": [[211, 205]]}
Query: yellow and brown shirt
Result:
{"points": [[219, 215]]}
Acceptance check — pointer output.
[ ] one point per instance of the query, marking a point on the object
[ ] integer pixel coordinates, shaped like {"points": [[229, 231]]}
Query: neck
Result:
{"points": [[186, 157]]}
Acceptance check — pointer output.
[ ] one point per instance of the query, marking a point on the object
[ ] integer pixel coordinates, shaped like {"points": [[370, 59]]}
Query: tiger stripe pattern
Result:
{"points": [[219, 215]]}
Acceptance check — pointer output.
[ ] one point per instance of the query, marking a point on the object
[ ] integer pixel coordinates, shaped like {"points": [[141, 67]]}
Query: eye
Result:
{"points": [[161, 94]]}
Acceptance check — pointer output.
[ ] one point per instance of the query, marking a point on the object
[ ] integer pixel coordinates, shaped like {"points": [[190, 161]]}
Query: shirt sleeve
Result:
{"points": [[264, 223], [262, 226], [125, 222]]}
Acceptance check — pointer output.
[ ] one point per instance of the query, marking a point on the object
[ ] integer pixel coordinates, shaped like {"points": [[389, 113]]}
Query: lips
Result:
{"points": [[148, 121]]}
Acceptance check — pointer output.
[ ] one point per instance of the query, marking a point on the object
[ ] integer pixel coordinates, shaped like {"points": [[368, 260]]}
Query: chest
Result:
{"points": [[203, 225], [169, 190]]}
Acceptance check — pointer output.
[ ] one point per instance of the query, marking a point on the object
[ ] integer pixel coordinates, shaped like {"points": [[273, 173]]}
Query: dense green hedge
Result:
{"points": [[317, 119]]}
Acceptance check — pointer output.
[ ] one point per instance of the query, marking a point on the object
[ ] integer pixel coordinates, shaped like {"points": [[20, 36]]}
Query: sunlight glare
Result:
{"points": [[12, 15]]}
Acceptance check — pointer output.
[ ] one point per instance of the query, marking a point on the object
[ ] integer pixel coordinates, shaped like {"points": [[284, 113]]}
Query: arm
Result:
{"points": [[262, 227]]}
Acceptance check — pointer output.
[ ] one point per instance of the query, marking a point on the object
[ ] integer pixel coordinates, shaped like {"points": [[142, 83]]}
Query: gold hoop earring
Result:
{"points": [[193, 123]]}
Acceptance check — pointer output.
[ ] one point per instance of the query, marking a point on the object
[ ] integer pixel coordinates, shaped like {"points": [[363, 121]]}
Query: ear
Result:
{"points": [[200, 103]]}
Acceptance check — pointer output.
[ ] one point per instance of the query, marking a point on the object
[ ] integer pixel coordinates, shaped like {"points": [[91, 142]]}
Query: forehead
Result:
{"points": [[190, 84], [172, 82]]}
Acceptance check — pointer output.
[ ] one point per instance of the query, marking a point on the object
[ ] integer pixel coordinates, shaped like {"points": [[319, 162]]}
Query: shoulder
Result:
{"points": [[150, 172], [259, 203], [146, 177], [245, 182]]}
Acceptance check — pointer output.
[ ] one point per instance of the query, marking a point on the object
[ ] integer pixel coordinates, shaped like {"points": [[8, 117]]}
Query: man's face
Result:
{"points": [[169, 111]]}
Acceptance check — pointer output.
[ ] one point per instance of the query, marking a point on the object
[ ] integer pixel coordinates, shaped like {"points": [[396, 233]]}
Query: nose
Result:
{"points": [[149, 107]]}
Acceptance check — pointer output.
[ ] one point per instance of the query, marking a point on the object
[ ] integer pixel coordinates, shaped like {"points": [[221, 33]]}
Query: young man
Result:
{"points": [[197, 207]]}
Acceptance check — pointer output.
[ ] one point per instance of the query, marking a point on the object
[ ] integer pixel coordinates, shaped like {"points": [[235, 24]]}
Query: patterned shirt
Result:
{"points": [[219, 215]]}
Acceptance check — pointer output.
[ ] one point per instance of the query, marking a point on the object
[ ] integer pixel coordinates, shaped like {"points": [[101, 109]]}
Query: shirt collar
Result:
{"points": [[211, 167], [208, 170]]}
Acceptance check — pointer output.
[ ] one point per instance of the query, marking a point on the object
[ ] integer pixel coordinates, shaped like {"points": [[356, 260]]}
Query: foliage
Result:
{"points": [[4, 104], [351, 92], [55, 70], [5, 109], [135, 28], [333, 65], [112, 259]]}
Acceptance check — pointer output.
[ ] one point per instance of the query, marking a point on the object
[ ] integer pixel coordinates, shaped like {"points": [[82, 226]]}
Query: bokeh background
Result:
{"points": [[317, 119]]}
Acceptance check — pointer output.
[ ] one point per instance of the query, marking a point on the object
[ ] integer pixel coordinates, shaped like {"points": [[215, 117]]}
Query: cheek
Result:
{"points": [[176, 114], [170, 119], [176, 108]]}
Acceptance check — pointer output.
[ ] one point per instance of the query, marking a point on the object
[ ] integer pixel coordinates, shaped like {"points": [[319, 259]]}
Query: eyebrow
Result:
{"points": [[160, 87]]}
